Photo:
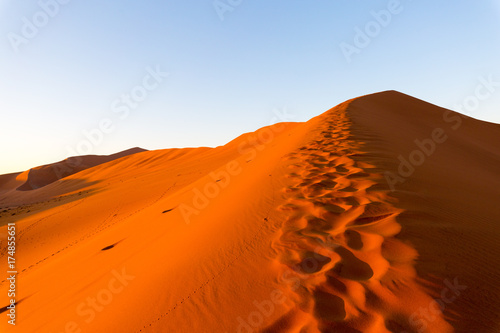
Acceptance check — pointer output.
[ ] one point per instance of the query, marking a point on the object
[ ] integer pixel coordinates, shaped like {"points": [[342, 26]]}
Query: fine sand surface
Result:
{"points": [[380, 215]]}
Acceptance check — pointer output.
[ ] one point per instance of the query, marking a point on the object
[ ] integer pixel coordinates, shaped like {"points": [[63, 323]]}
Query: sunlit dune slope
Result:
{"points": [[333, 225]]}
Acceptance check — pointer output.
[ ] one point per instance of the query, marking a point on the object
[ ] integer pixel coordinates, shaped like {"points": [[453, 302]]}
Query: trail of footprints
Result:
{"points": [[332, 240]]}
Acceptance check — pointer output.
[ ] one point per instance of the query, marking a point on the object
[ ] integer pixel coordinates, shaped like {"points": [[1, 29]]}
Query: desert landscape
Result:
{"points": [[378, 215]]}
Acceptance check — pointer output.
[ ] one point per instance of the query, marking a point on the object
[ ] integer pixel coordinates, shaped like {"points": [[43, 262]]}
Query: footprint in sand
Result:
{"points": [[338, 235]]}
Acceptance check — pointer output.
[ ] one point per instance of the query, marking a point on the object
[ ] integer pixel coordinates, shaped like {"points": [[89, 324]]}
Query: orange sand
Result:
{"points": [[298, 227]]}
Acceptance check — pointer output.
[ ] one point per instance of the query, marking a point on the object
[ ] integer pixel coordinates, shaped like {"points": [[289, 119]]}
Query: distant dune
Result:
{"points": [[44, 175], [47, 174], [377, 216]]}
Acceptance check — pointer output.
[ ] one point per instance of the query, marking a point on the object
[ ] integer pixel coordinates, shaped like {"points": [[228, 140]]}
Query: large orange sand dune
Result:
{"points": [[379, 215]]}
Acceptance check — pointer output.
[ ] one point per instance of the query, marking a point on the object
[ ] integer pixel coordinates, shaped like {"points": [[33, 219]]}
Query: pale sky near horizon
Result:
{"points": [[67, 67]]}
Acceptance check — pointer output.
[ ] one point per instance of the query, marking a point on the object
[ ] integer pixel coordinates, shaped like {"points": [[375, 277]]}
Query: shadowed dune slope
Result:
{"points": [[47, 174], [376, 216], [449, 195], [49, 181]]}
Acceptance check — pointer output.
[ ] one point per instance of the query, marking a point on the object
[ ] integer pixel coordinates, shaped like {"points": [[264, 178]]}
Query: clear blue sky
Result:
{"points": [[65, 73]]}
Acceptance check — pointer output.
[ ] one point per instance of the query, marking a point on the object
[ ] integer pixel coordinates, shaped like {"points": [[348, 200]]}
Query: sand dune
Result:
{"points": [[377, 216], [47, 174], [44, 175]]}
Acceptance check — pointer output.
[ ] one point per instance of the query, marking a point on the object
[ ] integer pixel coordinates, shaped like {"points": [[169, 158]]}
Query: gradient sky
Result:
{"points": [[226, 77]]}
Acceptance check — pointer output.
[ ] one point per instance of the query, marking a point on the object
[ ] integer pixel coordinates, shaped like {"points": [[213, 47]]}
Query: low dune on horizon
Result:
{"points": [[378, 215]]}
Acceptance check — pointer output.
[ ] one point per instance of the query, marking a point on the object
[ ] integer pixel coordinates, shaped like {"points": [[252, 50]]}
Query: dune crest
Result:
{"points": [[338, 242]]}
